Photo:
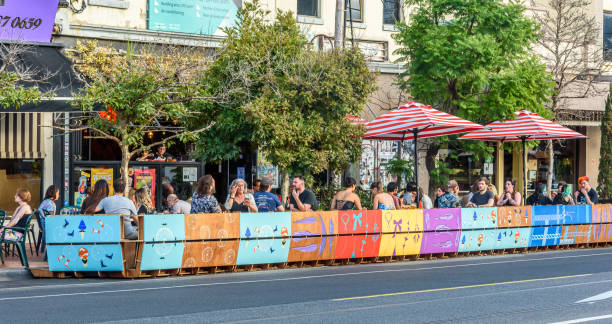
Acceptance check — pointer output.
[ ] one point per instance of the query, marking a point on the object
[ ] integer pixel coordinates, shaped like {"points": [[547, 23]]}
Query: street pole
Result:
{"points": [[339, 23]]}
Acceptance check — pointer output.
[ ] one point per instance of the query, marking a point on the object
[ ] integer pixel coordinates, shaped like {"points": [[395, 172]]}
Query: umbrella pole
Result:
{"points": [[524, 140], [416, 165]]}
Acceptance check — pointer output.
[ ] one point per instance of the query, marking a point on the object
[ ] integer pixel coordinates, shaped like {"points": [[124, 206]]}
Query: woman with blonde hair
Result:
{"points": [[22, 197], [239, 200], [142, 201]]}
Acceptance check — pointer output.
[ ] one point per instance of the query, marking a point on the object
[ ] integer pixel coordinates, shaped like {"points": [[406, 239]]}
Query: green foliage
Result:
{"points": [[473, 59], [438, 177], [402, 169], [293, 101], [605, 152], [14, 95]]}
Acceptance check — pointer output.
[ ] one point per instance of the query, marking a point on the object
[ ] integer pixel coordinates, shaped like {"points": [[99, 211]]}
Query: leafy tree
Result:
{"points": [[472, 59], [605, 160], [402, 169], [142, 90], [296, 101], [18, 81]]}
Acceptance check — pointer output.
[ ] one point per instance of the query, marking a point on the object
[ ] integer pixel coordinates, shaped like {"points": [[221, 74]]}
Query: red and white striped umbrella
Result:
{"points": [[526, 126], [356, 120], [416, 118]]}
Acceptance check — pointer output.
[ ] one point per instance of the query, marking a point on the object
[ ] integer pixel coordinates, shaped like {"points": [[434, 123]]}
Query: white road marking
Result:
{"points": [[602, 296], [586, 319], [358, 273]]}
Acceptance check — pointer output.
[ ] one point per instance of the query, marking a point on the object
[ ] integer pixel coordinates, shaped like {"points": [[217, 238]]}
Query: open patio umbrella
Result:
{"points": [[413, 121], [526, 126]]}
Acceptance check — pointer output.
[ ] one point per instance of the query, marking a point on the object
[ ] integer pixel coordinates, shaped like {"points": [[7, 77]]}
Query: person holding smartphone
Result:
{"points": [[239, 200]]}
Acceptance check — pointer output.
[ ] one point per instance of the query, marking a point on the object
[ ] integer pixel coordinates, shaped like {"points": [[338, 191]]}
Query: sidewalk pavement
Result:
{"points": [[13, 270]]}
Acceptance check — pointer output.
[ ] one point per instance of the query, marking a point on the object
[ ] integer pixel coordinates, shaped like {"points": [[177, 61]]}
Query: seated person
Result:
{"points": [[538, 198], [265, 200], [586, 194], [19, 218], [483, 197], [564, 195], [177, 206], [449, 199], [118, 204], [159, 155]]}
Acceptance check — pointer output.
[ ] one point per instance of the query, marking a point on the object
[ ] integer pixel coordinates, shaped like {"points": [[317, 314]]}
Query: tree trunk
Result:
{"points": [[551, 164], [284, 186], [125, 160]]}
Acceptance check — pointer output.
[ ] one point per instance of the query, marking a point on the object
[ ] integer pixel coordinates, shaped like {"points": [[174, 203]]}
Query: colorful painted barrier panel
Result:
{"points": [[404, 220], [494, 239], [575, 234], [514, 216], [358, 246], [477, 218], [601, 233], [561, 215], [545, 236], [360, 221], [311, 224], [440, 242], [212, 226], [85, 257], [157, 256], [602, 213], [210, 254], [265, 225], [476, 240], [83, 229], [442, 219], [164, 228], [400, 244], [261, 251], [311, 248]]}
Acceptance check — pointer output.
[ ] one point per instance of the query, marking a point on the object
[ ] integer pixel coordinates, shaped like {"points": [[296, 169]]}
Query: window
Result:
{"points": [[607, 36], [391, 11], [19, 173], [354, 10], [308, 8]]}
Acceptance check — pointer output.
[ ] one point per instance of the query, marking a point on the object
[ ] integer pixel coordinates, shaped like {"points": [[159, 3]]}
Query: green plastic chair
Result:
{"points": [[20, 243]]}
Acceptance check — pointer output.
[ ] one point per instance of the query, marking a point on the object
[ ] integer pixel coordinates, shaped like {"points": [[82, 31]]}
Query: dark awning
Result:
{"points": [[63, 82]]}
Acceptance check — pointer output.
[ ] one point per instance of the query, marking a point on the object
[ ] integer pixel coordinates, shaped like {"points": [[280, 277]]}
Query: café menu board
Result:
{"points": [[27, 20], [205, 17]]}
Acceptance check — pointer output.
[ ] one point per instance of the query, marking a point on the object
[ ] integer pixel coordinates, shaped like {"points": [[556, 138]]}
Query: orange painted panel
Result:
{"points": [[514, 216], [212, 226], [210, 253]]}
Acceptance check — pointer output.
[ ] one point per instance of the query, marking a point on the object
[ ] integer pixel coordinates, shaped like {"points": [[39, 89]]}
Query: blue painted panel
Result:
{"points": [[86, 257], [83, 229], [164, 227], [260, 251], [476, 240], [265, 225], [561, 214], [545, 236], [476, 218], [157, 256]]}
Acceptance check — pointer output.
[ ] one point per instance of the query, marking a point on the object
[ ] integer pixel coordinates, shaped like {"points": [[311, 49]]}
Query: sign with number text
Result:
{"points": [[27, 20]]}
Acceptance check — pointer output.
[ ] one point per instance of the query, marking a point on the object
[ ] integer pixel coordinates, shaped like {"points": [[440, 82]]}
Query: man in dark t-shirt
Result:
{"points": [[586, 194], [483, 197], [302, 199], [265, 200]]}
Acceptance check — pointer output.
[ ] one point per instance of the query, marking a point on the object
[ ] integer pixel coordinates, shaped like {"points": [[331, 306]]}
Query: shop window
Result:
{"points": [[308, 8], [19, 173], [354, 10], [607, 35], [391, 12]]}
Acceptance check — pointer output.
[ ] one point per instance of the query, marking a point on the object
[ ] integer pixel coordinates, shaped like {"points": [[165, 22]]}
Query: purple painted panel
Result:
{"points": [[27, 20], [442, 219], [440, 242]]}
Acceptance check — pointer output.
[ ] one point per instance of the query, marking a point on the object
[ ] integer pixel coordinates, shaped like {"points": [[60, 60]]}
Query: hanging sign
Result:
{"points": [[27, 20], [204, 17], [145, 178], [103, 174]]}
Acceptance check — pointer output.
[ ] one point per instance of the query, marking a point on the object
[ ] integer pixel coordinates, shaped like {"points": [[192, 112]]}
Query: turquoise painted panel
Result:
{"points": [[476, 240], [156, 256], [85, 257], [545, 236], [494, 239], [83, 229], [477, 218], [260, 251], [561, 215], [265, 225], [164, 227]]}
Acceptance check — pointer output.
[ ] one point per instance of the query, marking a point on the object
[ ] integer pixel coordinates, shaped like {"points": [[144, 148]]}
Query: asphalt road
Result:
{"points": [[544, 287]]}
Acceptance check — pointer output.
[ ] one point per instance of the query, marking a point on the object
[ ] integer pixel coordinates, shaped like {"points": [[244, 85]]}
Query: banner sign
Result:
{"points": [[103, 174], [27, 20], [145, 178], [204, 17]]}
